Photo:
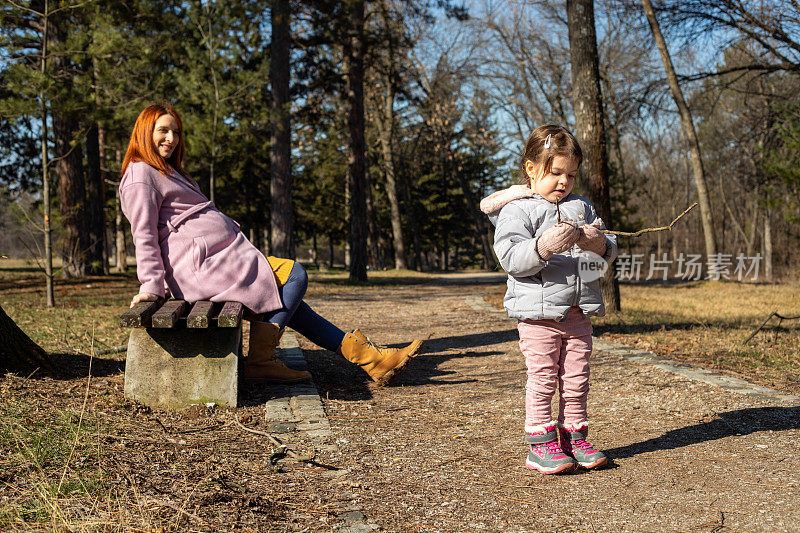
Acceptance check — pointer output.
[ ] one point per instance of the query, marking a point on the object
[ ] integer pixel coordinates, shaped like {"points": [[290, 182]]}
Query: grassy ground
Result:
{"points": [[707, 324]]}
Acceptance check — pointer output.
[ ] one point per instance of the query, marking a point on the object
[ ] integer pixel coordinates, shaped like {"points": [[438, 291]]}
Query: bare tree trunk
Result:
{"points": [[101, 145], [330, 250], [17, 350], [356, 175], [347, 202], [48, 233], [266, 236], [589, 122], [373, 230], [752, 230], [386, 131], [687, 125], [72, 198], [386, 135], [119, 233], [281, 214], [95, 190], [120, 250], [314, 250], [767, 245], [71, 183]]}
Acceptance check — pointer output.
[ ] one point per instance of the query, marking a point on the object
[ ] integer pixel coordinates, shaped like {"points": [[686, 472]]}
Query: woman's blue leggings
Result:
{"points": [[299, 316]]}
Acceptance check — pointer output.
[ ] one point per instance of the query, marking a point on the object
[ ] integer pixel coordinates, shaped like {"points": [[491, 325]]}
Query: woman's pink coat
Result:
{"points": [[186, 244]]}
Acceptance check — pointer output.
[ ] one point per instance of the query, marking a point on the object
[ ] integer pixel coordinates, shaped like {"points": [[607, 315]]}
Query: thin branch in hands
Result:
{"points": [[650, 230]]}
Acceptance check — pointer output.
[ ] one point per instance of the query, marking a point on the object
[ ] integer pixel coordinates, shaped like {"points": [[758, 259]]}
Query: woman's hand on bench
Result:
{"points": [[144, 297]]}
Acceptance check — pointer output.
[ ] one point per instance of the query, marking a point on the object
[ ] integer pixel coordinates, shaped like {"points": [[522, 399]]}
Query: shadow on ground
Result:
{"points": [[336, 378], [728, 424], [600, 329], [37, 282], [71, 366]]}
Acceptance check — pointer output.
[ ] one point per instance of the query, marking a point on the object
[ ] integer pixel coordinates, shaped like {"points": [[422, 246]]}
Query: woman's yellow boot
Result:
{"points": [[382, 364], [261, 362]]}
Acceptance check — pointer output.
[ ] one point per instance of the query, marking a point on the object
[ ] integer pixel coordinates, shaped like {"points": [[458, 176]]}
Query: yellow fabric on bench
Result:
{"points": [[281, 267]]}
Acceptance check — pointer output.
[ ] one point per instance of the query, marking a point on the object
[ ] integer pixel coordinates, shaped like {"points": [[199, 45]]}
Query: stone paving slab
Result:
{"points": [[729, 383], [299, 409]]}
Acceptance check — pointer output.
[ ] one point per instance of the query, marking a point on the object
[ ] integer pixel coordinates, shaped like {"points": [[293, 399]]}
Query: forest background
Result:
{"points": [[450, 93]]}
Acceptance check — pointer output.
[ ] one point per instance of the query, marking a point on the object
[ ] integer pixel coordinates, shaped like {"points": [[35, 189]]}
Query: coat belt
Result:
{"points": [[174, 222]]}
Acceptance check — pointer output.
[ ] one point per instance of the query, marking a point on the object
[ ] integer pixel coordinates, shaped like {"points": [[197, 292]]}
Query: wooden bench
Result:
{"points": [[181, 354]]}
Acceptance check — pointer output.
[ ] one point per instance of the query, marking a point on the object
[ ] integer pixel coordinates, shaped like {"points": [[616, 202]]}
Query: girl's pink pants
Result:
{"points": [[557, 354]]}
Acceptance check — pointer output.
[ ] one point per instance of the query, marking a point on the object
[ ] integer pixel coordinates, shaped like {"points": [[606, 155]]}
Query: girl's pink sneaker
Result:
{"points": [[545, 455], [574, 444]]}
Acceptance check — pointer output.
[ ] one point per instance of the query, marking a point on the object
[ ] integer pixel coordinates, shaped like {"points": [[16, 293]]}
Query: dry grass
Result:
{"points": [[52, 468], [706, 323]]}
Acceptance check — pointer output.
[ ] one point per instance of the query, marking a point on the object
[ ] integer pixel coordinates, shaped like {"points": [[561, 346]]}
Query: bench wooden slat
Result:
{"points": [[200, 315], [139, 315], [169, 314], [231, 315]]}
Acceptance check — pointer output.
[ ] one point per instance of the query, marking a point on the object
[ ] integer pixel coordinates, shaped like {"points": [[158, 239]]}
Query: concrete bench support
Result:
{"points": [[171, 368]]}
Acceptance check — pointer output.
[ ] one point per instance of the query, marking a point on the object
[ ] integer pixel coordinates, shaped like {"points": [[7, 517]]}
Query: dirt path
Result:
{"points": [[442, 450]]}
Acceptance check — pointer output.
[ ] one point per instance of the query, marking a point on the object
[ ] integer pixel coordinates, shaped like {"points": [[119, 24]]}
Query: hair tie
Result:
{"points": [[547, 142]]}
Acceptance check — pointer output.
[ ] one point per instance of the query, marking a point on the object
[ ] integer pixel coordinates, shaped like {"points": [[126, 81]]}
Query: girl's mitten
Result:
{"points": [[592, 239], [557, 239]]}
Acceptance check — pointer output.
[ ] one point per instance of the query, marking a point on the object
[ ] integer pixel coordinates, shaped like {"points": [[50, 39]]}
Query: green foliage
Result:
{"points": [[319, 194], [108, 60]]}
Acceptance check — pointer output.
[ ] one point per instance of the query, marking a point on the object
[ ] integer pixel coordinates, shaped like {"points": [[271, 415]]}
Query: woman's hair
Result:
{"points": [[561, 142], [141, 147]]}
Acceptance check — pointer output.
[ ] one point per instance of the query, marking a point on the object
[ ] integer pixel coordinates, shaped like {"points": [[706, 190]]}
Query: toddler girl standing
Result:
{"points": [[541, 232]]}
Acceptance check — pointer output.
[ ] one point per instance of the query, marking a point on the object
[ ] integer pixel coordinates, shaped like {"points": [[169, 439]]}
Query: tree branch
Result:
{"points": [[650, 230]]}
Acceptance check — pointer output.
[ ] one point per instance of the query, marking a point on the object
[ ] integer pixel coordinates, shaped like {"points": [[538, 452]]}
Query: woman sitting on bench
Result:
{"points": [[184, 243]]}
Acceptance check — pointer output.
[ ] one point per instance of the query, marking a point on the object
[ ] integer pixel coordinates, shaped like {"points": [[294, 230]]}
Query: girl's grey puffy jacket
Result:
{"points": [[536, 288]]}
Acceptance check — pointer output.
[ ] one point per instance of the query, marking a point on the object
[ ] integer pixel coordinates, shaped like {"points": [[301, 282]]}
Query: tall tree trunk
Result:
{"points": [[767, 245], [101, 145], [752, 230], [373, 229], [95, 189], [314, 250], [48, 233], [265, 237], [17, 350], [587, 101], [356, 145], [281, 214], [71, 183], [121, 254], [386, 135], [687, 125], [72, 197], [347, 202], [330, 250]]}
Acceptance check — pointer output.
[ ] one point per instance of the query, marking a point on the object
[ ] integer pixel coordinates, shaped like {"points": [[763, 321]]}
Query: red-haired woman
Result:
{"points": [[186, 245]]}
